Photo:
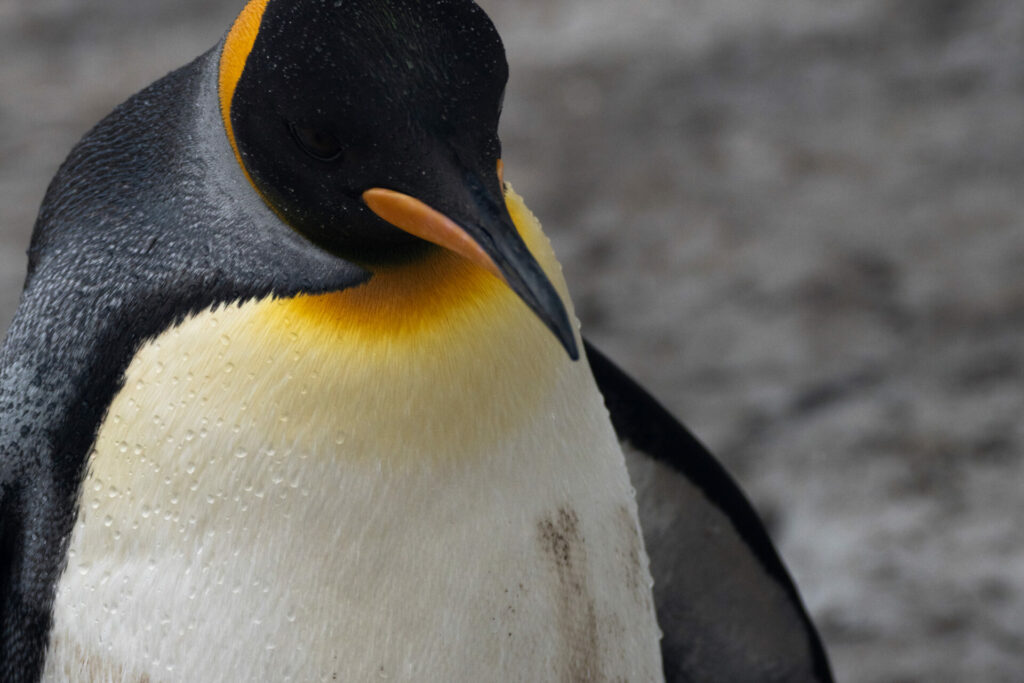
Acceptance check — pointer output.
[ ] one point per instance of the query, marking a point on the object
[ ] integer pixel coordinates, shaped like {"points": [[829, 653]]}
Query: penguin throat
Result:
{"points": [[431, 297], [407, 302]]}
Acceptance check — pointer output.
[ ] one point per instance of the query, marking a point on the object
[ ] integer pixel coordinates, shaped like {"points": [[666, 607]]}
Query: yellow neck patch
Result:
{"points": [[439, 299], [233, 57]]}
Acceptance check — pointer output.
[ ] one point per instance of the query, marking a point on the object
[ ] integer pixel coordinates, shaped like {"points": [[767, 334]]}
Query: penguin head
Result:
{"points": [[371, 128]]}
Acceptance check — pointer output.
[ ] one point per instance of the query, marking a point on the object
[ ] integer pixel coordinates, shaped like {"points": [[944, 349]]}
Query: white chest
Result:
{"points": [[264, 508]]}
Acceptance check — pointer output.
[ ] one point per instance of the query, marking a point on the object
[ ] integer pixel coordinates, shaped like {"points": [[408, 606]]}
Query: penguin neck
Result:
{"points": [[436, 296], [438, 342], [434, 359]]}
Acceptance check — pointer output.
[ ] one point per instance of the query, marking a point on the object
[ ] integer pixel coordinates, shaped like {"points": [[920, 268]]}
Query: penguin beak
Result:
{"points": [[480, 229]]}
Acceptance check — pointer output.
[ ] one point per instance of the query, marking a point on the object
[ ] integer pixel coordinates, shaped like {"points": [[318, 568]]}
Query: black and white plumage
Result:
{"points": [[187, 251]]}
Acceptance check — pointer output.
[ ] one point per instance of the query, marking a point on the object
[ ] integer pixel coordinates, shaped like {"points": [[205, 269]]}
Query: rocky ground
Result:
{"points": [[800, 223]]}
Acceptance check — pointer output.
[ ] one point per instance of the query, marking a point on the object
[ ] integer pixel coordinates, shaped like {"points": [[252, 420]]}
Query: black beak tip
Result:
{"points": [[539, 294], [556, 319], [568, 340]]}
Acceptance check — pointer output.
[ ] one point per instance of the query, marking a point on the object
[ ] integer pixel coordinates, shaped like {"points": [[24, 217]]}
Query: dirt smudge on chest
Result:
{"points": [[563, 544]]}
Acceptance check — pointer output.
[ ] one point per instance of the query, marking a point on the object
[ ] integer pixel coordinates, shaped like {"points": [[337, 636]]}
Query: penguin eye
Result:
{"points": [[317, 143]]}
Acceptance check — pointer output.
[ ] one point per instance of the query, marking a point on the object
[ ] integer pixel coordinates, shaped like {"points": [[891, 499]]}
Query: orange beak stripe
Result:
{"points": [[416, 218]]}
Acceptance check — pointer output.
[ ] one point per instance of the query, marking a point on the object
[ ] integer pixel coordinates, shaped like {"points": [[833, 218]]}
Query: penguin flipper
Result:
{"points": [[30, 550], [725, 602]]}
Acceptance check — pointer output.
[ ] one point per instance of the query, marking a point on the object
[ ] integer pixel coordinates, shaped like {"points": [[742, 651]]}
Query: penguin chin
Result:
{"points": [[393, 248], [374, 257], [367, 241]]}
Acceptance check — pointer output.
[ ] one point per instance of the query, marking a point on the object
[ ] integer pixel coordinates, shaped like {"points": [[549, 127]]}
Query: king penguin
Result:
{"points": [[295, 392]]}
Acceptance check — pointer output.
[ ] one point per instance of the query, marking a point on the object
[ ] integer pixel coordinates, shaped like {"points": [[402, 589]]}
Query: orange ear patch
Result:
{"points": [[233, 57]]}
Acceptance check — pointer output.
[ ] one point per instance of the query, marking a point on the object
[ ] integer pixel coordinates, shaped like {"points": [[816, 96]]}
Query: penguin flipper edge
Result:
{"points": [[29, 559], [725, 602]]}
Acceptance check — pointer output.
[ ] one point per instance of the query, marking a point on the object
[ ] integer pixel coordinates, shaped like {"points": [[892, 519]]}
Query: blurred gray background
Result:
{"points": [[800, 223]]}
